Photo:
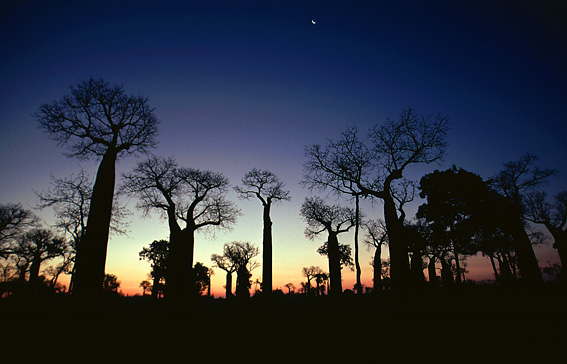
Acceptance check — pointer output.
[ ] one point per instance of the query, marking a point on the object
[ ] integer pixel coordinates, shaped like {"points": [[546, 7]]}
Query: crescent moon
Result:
{"points": [[313, 21]]}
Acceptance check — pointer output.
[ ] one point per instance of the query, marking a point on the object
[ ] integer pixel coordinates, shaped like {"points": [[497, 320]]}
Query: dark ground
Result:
{"points": [[469, 325]]}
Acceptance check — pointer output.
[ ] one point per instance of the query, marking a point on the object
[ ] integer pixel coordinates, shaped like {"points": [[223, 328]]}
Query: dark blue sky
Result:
{"points": [[242, 84]]}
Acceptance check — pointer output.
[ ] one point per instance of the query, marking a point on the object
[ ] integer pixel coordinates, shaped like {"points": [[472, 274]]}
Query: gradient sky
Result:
{"points": [[243, 84]]}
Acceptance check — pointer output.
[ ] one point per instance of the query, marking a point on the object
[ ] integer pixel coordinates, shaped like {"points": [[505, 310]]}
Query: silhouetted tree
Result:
{"points": [[513, 182], [35, 247], [110, 284], [241, 254], [310, 273], [157, 254], [70, 199], [197, 198], [202, 277], [146, 287], [224, 263], [265, 186], [290, 287], [323, 171], [14, 220], [97, 120], [376, 236], [395, 145], [455, 198], [553, 216], [334, 220]]}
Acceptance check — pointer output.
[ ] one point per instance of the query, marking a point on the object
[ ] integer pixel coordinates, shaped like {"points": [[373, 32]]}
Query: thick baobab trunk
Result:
{"points": [[399, 262], [356, 260], [228, 287], [527, 261], [179, 274], [334, 266], [34, 272], [91, 253], [267, 254], [155, 287]]}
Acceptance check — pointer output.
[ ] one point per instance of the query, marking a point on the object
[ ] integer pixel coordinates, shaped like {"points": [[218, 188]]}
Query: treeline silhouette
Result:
{"points": [[463, 214]]}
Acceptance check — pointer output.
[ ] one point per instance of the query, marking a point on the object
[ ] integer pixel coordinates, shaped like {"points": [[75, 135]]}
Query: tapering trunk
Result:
{"points": [[447, 279], [34, 272], [432, 272], [334, 265], [494, 269], [228, 286], [267, 254], [560, 243], [155, 287], [91, 252], [527, 261], [358, 286], [399, 263], [378, 269], [458, 277]]}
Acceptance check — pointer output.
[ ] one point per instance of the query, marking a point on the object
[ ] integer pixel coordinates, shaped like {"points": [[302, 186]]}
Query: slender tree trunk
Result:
{"points": [[334, 265], [447, 278], [34, 272], [431, 272], [560, 243], [378, 269], [356, 259], [496, 277], [228, 286], [267, 254], [458, 278], [527, 261], [91, 253]]}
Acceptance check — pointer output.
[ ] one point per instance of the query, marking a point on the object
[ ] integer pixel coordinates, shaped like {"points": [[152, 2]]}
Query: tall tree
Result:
{"points": [[97, 120], [70, 198], [554, 217], [514, 181], [394, 145], [194, 197], [334, 219], [322, 172], [265, 186]]}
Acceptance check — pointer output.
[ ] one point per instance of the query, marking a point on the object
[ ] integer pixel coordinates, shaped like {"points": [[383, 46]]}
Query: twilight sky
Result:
{"points": [[243, 84]]}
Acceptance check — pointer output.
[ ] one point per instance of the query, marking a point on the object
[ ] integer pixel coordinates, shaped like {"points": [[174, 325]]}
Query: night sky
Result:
{"points": [[243, 84]]}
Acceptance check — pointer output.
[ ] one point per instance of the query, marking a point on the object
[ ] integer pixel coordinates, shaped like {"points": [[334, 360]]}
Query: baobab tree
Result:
{"points": [[553, 216], [194, 197], [70, 198], [334, 219], [514, 181], [241, 254], [374, 169], [265, 186], [376, 237], [100, 121], [157, 254], [223, 262]]}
